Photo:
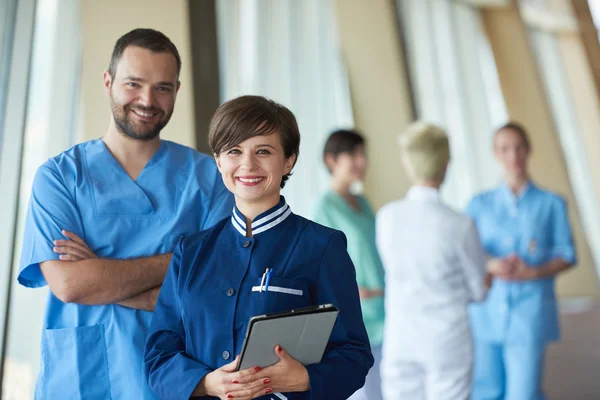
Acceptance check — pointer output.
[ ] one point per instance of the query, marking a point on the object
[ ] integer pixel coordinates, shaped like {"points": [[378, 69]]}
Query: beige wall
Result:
{"points": [[380, 96], [103, 22], [526, 103]]}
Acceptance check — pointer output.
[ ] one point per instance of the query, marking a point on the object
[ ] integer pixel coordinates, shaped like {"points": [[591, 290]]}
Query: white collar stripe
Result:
{"points": [[237, 226], [237, 223], [269, 217], [273, 223], [238, 218], [263, 224]]}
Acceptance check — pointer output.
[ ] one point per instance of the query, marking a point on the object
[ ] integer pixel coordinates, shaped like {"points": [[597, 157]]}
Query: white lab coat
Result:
{"points": [[434, 267]]}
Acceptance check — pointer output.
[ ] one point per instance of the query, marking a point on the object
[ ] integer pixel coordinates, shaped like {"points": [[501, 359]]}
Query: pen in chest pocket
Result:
{"points": [[266, 278], [269, 272], [265, 285]]}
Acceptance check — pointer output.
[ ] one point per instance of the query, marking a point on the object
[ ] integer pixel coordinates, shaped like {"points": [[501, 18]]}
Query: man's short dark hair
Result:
{"points": [[149, 39]]}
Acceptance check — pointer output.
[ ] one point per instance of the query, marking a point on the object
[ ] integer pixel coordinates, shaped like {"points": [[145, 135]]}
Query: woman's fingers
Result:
{"points": [[251, 390], [246, 375], [242, 385]]}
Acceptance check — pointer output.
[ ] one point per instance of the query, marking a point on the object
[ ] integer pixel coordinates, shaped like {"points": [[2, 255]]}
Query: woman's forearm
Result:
{"points": [[551, 268]]}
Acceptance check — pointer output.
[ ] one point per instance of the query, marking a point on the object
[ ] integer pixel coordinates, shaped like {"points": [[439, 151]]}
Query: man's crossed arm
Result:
{"points": [[81, 277]]}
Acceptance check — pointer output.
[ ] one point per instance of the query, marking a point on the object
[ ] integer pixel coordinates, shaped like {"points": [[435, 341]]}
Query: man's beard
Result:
{"points": [[138, 131]]}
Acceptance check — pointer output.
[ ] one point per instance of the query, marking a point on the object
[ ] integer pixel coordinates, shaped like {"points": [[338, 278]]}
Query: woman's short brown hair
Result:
{"points": [[246, 117]]}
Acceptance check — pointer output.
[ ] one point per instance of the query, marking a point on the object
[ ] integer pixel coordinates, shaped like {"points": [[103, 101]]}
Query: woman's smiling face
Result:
{"points": [[253, 169]]}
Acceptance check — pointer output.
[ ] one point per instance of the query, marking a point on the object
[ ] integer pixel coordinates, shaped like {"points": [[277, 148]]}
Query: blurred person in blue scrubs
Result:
{"points": [[343, 207], [121, 203], [434, 267], [262, 259], [526, 231]]}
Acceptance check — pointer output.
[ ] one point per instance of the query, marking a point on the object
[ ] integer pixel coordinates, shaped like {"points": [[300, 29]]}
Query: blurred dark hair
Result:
{"points": [[342, 141], [249, 116], [518, 129], [148, 39]]}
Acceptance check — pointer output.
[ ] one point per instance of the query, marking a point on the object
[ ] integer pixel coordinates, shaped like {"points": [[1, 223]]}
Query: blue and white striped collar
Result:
{"points": [[263, 222]]}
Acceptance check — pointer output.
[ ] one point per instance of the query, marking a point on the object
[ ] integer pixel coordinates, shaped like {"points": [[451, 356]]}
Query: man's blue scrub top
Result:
{"points": [[96, 352]]}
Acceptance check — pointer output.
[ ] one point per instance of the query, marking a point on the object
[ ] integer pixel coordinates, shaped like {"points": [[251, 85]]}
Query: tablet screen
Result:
{"points": [[303, 333]]}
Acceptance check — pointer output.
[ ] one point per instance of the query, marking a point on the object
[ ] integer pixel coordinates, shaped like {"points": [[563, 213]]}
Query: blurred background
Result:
{"points": [[375, 65]]}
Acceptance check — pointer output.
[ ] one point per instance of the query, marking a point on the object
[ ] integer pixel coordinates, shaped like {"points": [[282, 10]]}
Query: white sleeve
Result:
{"points": [[382, 235], [473, 259]]}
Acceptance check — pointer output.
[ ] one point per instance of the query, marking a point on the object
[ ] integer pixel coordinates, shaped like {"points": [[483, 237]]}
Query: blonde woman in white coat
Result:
{"points": [[434, 267]]}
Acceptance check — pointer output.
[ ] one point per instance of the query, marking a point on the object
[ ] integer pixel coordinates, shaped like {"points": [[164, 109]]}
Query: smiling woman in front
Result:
{"points": [[207, 298]]}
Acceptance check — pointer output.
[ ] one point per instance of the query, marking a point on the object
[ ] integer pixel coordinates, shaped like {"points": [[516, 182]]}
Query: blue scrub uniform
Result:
{"points": [[96, 352], [513, 326], [209, 295]]}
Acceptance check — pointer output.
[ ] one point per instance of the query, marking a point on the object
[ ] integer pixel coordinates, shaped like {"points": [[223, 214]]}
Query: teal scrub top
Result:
{"points": [[359, 226]]}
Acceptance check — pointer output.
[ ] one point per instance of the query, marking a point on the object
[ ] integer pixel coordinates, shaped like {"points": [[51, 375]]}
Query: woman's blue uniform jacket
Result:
{"points": [[207, 299]]}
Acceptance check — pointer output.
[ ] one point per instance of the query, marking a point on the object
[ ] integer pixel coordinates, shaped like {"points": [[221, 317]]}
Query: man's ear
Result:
{"points": [[108, 80]]}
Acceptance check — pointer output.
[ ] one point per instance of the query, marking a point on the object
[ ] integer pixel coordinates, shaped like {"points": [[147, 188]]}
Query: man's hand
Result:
{"points": [[74, 249]]}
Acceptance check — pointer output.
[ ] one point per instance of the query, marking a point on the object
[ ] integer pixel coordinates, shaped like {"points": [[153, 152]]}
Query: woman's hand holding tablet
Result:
{"points": [[227, 383]]}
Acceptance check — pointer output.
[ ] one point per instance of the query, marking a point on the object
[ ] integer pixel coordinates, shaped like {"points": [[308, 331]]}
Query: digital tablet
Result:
{"points": [[303, 333]]}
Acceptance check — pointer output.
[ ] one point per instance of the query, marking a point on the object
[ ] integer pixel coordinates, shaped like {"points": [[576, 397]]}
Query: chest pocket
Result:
{"points": [[281, 294]]}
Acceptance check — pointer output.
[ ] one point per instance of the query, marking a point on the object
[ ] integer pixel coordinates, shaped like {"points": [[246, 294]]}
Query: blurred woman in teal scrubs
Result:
{"points": [[344, 208], [525, 229]]}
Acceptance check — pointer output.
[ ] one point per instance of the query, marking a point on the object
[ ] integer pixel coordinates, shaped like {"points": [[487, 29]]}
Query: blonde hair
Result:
{"points": [[425, 149]]}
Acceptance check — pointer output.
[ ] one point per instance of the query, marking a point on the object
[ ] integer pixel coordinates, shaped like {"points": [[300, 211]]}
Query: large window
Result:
{"points": [[555, 80], [16, 34], [455, 84], [7, 18], [45, 64]]}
